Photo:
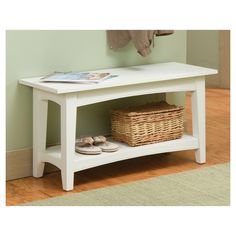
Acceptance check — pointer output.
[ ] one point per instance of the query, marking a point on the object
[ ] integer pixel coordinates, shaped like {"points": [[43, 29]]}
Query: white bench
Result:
{"points": [[132, 81]]}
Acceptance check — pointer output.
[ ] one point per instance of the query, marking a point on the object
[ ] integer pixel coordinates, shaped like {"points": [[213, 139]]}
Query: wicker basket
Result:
{"points": [[146, 124]]}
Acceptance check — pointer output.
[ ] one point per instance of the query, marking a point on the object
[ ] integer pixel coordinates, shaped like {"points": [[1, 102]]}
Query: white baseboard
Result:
{"points": [[19, 164]]}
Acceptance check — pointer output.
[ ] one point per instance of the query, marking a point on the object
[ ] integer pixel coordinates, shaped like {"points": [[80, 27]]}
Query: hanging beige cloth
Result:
{"points": [[142, 39]]}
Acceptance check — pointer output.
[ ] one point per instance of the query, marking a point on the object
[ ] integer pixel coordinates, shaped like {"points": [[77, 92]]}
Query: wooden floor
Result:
{"points": [[218, 151]]}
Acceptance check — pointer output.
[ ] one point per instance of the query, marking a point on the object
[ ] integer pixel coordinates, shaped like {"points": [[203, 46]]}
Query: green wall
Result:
{"points": [[35, 53], [203, 48]]}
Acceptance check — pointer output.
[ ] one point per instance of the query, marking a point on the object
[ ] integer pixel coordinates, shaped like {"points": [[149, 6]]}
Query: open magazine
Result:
{"points": [[77, 77]]}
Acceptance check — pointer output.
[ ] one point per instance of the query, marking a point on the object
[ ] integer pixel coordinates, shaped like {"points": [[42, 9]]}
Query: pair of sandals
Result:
{"points": [[94, 145]]}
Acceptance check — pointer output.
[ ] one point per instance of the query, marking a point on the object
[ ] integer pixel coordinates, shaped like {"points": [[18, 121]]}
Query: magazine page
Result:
{"points": [[76, 77]]}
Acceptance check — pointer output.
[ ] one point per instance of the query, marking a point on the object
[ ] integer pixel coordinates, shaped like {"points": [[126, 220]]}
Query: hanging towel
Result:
{"points": [[142, 39]]}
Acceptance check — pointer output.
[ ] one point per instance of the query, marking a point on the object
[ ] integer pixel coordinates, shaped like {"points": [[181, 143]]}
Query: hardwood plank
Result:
{"points": [[218, 151]]}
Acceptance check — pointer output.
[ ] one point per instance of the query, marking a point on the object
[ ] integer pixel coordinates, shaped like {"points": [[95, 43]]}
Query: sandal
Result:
{"points": [[104, 145], [85, 146]]}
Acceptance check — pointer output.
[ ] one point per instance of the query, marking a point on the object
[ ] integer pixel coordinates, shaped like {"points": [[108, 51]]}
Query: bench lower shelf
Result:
{"points": [[81, 162]]}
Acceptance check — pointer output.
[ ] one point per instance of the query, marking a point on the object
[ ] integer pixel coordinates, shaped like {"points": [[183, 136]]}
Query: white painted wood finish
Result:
{"points": [[132, 81], [81, 162], [68, 133], [127, 76], [198, 119], [40, 109]]}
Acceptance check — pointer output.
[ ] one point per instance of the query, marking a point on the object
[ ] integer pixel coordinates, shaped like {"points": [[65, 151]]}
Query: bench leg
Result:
{"points": [[68, 133], [198, 119], [40, 109]]}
